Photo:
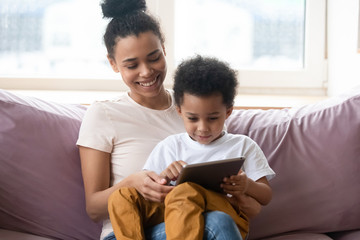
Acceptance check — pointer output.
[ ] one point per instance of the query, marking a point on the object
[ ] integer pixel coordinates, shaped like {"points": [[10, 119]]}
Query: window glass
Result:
{"points": [[52, 38], [249, 34]]}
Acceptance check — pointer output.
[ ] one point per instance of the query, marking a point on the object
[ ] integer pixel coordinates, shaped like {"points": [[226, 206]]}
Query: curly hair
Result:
{"points": [[204, 76], [128, 17]]}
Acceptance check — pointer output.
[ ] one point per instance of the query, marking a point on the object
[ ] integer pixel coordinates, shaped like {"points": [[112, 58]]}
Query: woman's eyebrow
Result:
{"points": [[134, 59], [153, 52], [129, 60]]}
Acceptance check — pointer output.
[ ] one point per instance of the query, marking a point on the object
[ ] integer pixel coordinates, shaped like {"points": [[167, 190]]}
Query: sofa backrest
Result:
{"points": [[315, 152], [41, 188]]}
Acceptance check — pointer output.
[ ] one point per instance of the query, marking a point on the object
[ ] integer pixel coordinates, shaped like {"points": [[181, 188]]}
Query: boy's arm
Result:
{"points": [[260, 190], [240, 184]]}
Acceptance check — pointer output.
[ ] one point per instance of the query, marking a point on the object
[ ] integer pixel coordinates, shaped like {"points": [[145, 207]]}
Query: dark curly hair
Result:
{"points": [[204, 76], [128, 17]]}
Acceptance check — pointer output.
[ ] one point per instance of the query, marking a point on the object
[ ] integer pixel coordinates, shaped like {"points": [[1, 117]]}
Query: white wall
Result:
{"points": [[344, 60]]}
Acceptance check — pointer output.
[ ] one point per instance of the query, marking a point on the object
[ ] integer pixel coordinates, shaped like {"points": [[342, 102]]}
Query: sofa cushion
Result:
{"points": [[41, 188], [7, 234], [300, 236], [346, 235], [314, 151]]}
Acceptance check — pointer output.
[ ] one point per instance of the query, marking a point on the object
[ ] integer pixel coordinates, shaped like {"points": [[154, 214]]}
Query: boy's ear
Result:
{"points": [[178, 109], [229, 111], [112, 63]]}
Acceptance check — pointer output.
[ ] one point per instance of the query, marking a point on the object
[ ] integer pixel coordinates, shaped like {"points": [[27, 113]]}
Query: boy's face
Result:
{"points": [[204, 117]]}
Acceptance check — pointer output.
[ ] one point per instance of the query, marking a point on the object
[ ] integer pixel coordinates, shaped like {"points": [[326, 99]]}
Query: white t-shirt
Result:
{"points": [[129, 132], [182, 147]]}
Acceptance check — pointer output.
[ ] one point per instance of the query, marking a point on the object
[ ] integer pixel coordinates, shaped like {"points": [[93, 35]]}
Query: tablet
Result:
{"points": [[210, 174]]}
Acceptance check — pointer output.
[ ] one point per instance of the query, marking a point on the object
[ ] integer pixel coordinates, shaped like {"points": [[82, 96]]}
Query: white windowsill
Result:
{"points": [[274, 101]]}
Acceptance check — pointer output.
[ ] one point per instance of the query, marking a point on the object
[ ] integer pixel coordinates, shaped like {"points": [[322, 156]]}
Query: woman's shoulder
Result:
{"points": [[102, 109], [121, 99]]}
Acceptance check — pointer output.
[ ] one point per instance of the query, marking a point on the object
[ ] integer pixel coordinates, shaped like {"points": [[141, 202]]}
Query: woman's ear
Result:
{"points": [[178, 109], [163, 47], [112, 63], [229, 111]]}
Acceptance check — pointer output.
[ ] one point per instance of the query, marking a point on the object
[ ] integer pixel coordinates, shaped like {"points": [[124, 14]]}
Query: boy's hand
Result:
{"points": [[172, 172], [236, 185]]}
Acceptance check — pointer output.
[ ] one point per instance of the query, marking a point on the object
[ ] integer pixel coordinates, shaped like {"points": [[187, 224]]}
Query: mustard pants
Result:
{"points": [[182, 212]]}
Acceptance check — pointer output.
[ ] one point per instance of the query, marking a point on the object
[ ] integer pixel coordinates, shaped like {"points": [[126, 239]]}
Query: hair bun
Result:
{"points": [[120, 8]]}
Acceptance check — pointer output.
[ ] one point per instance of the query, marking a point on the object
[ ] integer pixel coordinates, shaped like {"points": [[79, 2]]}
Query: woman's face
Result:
{"points": [[141, 63]]}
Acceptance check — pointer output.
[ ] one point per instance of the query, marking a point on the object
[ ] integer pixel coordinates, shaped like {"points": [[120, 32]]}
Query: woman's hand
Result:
{"points": [[150, 185], [155, 187], [246, 204]]}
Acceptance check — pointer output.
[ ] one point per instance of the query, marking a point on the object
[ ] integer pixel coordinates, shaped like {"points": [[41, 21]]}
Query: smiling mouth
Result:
{"points": [[148, 84]]}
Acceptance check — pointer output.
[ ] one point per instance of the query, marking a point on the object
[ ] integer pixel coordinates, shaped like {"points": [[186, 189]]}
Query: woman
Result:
{"points": [[117, 136]]}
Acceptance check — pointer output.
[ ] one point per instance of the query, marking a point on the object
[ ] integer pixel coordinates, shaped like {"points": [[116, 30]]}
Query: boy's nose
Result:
{"points": [[203, 127]]}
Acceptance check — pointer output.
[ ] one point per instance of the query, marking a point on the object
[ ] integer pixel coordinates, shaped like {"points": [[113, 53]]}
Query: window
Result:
{"points": [[276, 46]]}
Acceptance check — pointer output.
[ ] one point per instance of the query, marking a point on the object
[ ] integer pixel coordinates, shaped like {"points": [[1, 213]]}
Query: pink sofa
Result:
{"points": [[314, 149]]}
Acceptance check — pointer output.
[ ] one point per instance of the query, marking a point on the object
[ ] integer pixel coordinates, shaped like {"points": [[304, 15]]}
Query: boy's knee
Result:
{"points": [[122, 194], [188, 187], [184, 189], [187, 191]]}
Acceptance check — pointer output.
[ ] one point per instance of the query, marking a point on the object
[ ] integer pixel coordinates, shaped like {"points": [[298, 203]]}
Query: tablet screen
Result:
{"points": [[210, 174]]}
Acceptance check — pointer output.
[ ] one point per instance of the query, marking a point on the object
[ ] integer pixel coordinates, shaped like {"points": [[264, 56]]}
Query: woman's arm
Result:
{"points": [[248, 205], [95, 167]]}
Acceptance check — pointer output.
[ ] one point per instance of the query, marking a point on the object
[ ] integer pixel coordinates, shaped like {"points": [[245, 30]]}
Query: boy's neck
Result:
{"points": [[220, 136]]}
